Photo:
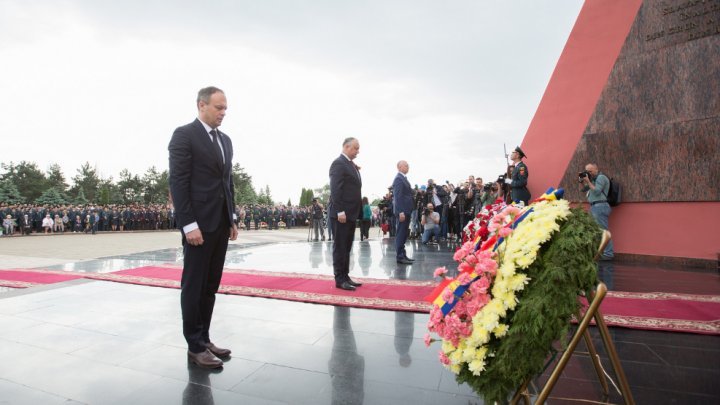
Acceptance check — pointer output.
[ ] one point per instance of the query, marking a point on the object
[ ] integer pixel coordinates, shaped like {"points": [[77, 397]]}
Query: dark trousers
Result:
{"points": [[364, 229], [344, 235], [202, 271], [401, 237]]}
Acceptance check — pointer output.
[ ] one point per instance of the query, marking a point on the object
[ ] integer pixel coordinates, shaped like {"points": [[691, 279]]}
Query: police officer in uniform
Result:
{"points": [[519, 177]]}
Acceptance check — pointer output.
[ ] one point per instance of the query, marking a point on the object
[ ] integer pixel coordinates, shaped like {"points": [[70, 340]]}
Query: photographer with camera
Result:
{"points": [[431, 225], [385, 213], [317, 219], [463, 207], [597, 186], [479, 194], [491, 192]]}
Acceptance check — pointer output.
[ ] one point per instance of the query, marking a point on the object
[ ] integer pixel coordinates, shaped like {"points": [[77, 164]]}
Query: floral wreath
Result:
{"points": [[473, 312]]}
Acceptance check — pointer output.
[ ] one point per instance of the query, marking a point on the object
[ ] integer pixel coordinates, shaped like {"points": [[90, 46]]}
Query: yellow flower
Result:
{"points": [[477, 366], [500, 330]]}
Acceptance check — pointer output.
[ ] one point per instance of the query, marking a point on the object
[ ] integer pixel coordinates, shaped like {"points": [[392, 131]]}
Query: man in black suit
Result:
{"points": [[403, 205], [203, 196], [344, 209]]}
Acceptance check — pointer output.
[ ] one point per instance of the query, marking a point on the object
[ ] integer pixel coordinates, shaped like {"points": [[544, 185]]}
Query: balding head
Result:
{"points": [[351, 147], [592, 168], [403, 167]]}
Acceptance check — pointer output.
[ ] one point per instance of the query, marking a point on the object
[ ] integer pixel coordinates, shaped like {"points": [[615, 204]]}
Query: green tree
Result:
{"points": [[163, 187], [29, 180], [244, 191], [129, 187], [56, 179], [309, 195], [153, 190], [81, 199], [51, 196], [289, 204], [303, 197], [323, 193], [86, 180], [9, 194], [108, 192], [264, 196]]}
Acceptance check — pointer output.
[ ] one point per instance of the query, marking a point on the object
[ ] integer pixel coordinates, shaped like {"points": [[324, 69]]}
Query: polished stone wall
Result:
{"points": [[656, 126]]}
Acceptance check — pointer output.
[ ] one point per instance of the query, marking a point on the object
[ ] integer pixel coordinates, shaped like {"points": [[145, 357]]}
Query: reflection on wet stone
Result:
{"points": [[198, 390], [346, 367], [404, 331]]}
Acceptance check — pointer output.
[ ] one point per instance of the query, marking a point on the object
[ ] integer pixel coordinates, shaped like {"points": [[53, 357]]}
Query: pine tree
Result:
{"points": [[51, 196]]}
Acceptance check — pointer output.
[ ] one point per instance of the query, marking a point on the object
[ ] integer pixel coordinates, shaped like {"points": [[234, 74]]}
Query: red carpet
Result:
{"points": [[398, 295], [24, 278], [638, 310]]}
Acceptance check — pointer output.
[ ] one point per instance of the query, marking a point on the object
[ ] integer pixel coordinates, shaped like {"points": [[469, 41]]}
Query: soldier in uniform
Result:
{"points": [[519, 178]]}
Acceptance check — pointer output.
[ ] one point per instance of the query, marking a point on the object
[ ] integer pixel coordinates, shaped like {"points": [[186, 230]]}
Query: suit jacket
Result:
{"points": [[199, 180], [402, 196], [345, 189]]}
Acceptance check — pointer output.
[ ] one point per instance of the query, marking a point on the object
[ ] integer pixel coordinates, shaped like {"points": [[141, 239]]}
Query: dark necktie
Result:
{"points": [[216, 145]]}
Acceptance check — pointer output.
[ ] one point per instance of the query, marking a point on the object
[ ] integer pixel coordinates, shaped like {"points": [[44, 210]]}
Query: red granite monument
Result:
{"points": [[637, 91]]}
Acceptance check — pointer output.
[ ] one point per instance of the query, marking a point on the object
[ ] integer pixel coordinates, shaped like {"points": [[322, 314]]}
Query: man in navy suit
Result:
{"points": [[403, 204], [344, 210], [203, 196]]}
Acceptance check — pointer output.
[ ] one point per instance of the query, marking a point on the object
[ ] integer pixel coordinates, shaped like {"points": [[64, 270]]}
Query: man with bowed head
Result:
{"points": [[344, 210], [403, 205], [202, 192]]}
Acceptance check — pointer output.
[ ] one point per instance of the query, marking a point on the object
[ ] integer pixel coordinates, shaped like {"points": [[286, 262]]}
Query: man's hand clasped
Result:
{"points": [[194, 237]]}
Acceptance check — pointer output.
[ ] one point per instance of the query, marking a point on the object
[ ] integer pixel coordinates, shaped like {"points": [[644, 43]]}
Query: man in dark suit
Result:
{"points": [[344, 209], [403, 204], [203, 196]]}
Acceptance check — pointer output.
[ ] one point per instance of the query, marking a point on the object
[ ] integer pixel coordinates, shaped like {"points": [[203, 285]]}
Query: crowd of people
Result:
{"points": [[439, 212], [26, 219], [454, 205]]}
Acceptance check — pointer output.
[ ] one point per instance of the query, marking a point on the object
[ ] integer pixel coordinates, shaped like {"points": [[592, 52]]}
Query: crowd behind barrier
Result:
{"points": [[26, 219], [455, 206]]}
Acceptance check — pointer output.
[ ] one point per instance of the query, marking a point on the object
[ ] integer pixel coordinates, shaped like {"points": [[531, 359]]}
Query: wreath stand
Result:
{"points": [[595, 298]]}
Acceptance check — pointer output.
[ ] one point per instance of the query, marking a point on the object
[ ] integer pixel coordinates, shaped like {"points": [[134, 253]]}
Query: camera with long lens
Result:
{"points": [[583, 175], [487, 187]]}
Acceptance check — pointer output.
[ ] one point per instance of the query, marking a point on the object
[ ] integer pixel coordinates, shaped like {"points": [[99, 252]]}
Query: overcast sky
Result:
{"points": [[441, 84]]}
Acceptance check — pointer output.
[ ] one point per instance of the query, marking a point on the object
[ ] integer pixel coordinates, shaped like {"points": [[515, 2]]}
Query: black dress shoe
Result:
{"points": [[407, 258], [404, 261], [345, 286], [354, 283]]}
